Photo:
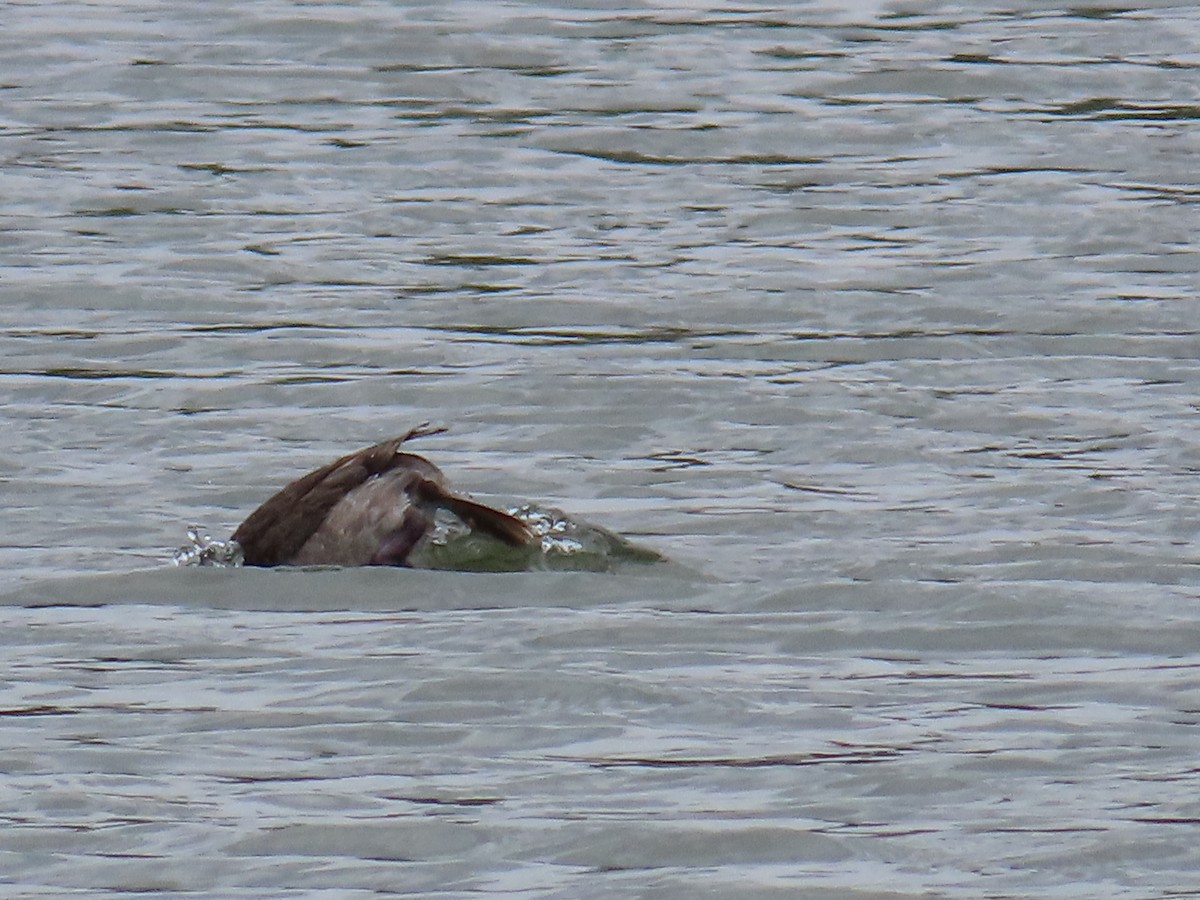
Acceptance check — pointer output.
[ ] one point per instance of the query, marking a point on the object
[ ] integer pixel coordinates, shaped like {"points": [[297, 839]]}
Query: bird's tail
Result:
{"points": [[479, 517], [498, 524]]}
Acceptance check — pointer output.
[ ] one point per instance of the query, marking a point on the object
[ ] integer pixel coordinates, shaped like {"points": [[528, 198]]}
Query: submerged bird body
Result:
{"points": [[369, 508]]}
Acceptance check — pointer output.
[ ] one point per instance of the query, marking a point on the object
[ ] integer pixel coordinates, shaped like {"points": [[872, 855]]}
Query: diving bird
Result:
{"points": [[369, 508]]}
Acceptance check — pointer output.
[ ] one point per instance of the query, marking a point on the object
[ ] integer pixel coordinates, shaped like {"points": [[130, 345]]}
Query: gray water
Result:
{"points": [[877, 320]]}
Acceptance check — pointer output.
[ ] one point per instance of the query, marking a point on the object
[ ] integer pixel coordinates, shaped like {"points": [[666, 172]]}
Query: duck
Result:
{"points": [[367, 508]]}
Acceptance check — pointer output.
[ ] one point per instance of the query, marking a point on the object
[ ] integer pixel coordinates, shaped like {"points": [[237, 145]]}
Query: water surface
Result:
{"points": [[876, 319]]}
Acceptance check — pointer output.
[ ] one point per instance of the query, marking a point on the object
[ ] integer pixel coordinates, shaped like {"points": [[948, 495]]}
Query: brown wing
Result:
{"points": [[275, 532]]}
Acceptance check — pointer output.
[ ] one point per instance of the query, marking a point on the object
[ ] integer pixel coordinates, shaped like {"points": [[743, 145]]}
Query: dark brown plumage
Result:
{"points": [[367, 508]]}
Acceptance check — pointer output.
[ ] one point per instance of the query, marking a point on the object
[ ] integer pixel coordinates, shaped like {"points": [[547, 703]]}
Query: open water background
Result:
{"points": [[880, 317]]}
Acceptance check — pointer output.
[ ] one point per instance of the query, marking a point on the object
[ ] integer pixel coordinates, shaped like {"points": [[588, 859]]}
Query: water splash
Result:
{"points": [[563, 543], [202, 550]]}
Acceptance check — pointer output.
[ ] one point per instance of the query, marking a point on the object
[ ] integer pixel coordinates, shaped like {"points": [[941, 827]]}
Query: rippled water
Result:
{"points": [[877, 320]]}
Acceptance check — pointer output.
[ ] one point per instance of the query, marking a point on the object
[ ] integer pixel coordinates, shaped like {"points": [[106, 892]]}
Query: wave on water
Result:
{"points": [[564, 544]]}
